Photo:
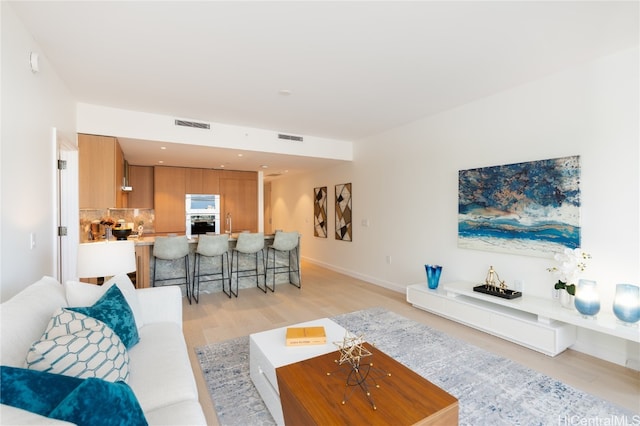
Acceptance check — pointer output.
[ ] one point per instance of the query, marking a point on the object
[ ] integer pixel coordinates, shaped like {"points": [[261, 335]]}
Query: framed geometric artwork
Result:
{"points": [[343, 212], [530, 208], [320, 212]]}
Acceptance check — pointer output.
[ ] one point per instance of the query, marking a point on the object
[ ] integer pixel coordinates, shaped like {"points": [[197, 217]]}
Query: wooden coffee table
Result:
{"points": [[267, 351], [309, 396]]}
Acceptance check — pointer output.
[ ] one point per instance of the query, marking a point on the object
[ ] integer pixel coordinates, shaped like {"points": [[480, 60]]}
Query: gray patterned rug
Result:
{"points": [[491, 390]]}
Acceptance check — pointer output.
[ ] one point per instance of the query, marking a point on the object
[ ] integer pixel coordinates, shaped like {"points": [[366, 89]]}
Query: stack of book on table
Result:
{"points": [[299, 336]]}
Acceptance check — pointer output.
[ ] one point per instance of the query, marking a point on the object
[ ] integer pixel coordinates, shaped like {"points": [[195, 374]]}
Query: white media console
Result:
{"points": [[534, 322]]}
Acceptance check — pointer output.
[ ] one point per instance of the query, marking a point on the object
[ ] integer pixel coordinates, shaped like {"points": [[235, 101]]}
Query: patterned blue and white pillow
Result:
{"points": [[77, 345]]}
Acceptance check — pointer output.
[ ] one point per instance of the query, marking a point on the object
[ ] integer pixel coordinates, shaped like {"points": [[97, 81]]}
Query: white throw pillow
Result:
{"points": [[79, 346], [85, 294], [24, 317]]}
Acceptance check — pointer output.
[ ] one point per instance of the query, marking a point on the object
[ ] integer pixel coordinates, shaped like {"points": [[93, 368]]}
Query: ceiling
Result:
{"points": [[339, 70]]}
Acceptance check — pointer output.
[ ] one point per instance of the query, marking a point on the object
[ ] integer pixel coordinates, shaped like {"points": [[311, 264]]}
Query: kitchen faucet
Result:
{"points": [[228, 223]]}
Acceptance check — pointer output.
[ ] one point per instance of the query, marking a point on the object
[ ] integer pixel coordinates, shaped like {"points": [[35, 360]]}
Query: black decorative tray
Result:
{"points": [[505, 294]]}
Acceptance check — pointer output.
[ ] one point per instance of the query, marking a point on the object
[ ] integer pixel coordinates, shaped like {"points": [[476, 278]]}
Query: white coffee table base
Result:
{"points": [[267, 351]]}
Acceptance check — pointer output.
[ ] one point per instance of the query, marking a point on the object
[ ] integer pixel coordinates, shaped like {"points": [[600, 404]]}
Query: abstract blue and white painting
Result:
{"points": [[530, 208]]}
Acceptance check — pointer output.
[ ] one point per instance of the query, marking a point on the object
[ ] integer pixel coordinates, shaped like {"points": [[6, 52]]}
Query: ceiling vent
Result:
{"points": [[185, 123], [290, 137], [274, 174]]}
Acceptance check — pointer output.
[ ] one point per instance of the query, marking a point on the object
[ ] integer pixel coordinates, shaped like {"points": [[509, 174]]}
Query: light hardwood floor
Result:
{"points": [[326, 293]]}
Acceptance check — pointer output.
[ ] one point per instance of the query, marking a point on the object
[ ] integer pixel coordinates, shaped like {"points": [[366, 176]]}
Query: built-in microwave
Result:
{"points": [[202, 203]]}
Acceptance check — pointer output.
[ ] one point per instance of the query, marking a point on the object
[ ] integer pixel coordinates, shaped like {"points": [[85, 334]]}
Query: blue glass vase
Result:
{"points": [[433, 275], [626, 304], [587, 300]]}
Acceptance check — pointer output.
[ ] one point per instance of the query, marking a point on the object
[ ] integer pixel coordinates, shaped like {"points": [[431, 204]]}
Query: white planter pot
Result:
{"points": [[566, 300]]}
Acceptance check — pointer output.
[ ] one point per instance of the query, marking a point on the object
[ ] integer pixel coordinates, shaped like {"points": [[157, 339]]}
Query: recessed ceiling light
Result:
{"points": [[222, 166], [160, 162], [264, 166], [163, 147], [240, 155], [284, 92]]}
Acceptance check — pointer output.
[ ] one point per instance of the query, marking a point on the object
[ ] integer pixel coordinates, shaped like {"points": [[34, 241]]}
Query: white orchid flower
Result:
{"points": [[572, 262]]}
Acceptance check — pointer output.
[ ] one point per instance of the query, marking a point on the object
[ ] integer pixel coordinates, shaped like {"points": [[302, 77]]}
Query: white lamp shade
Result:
{"points": [[106, 259]]}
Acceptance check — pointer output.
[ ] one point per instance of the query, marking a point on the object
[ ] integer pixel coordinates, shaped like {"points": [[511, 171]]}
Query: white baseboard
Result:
{"points": [[371, 280], [608, 348]]}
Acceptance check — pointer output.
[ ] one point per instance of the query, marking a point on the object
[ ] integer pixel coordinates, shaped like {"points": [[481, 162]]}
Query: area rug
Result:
{"points": [[491, 390]]}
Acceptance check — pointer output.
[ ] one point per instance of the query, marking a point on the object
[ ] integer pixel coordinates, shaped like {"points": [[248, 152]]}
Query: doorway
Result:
{"points": [[66, 219]]}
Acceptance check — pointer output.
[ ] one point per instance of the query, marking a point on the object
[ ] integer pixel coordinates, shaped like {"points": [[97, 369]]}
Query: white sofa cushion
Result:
{"points": [[84, 294], [16, 416], [79, 346], [25, 316], [160, 371], [183, 413], [161, 304]]}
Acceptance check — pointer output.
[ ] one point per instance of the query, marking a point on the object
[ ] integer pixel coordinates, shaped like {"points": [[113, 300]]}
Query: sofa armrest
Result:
{"points": [[161, 304]]}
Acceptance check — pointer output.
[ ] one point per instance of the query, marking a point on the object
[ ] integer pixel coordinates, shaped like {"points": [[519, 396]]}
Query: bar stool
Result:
{"points": [[248, 244], [210, 247], [170, 250], [284, 242]]}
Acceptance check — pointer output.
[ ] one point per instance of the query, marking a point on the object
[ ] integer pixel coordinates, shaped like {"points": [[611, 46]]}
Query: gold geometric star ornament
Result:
{"points": [[352, 350]]}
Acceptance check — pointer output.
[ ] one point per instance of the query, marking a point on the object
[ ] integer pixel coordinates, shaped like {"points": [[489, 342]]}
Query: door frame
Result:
{"points": [[65, 188]]}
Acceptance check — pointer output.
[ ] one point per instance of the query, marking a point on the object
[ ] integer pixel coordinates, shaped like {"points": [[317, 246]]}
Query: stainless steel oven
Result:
{"points": [[198, 224]]}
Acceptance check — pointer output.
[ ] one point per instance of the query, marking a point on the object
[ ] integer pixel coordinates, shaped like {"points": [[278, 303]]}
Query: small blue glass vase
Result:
{"points": [[626, 304], [433, 275], [587, 300]]}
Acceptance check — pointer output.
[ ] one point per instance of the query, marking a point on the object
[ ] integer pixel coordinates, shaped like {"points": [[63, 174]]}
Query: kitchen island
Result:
{"points": [[144, 264]]}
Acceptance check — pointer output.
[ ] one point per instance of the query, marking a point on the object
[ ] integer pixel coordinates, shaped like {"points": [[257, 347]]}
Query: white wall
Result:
{"points": [[405, 184], [32, 104]]}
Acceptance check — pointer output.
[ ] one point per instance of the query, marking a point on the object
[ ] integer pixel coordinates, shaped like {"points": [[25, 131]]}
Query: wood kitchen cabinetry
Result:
{"points": [[143, 256], [210, 181], [238, 191], [141, 180], [193, 184], [202, 181], [100, 172], [169, 198], [239, 197]]}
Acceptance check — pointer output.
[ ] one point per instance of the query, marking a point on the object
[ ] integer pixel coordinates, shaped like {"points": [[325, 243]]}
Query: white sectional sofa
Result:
{"points": [[160, 373]]}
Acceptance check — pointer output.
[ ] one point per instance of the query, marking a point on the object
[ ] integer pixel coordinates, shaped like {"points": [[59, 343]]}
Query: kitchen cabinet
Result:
{"points": [[170, 185], [239, 197], [210, 181], [141, 180], [202, 181], [143, 256], [100, 172], [268, 222], [194, 181], [169, 199]]}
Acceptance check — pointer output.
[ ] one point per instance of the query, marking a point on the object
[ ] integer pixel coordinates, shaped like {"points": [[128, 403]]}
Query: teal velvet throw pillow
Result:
{"points": [[85, 402], [112, 309], [33, 390], [97, 402]]}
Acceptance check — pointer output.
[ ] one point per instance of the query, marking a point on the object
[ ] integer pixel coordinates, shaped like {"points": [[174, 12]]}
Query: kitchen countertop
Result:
{"points": [[149, 240]]}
